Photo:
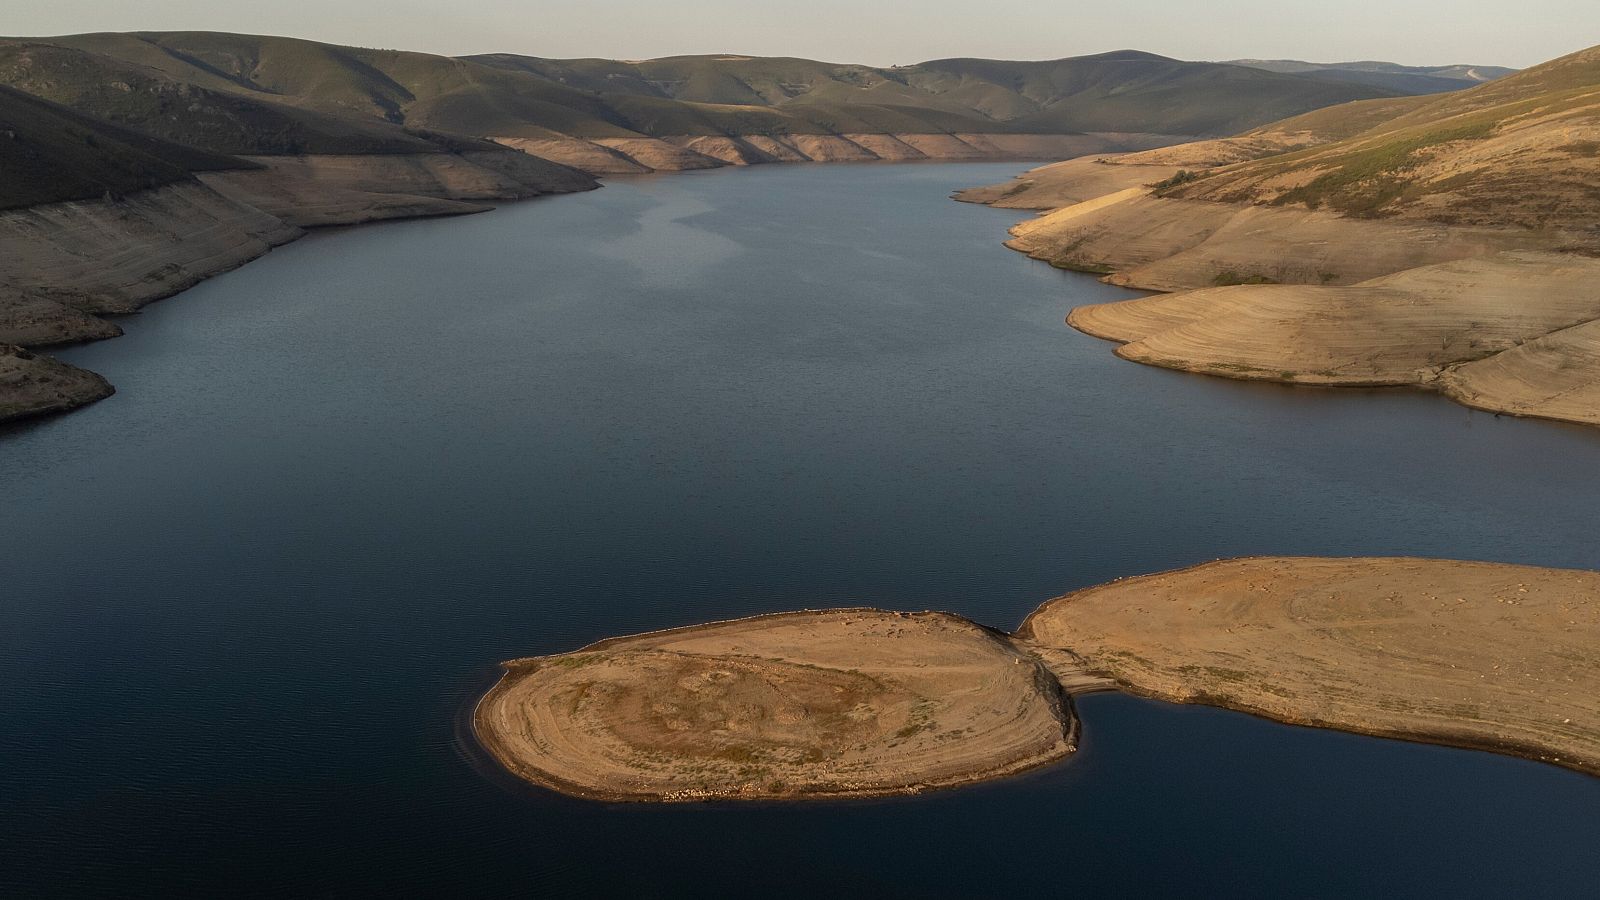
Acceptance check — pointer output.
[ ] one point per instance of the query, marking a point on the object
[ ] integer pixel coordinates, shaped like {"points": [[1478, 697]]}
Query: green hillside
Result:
{"points": [[50, 154], [257, 95]]}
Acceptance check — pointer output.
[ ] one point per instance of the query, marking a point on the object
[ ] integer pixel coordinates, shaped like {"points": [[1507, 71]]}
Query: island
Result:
{"points": [[836, 703]]}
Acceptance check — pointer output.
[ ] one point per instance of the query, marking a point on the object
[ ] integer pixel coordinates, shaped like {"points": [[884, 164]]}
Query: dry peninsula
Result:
{"points": [[860, 702]]}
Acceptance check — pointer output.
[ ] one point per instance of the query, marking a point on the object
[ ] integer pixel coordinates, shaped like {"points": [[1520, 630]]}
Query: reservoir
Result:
{"points": [[246, 603]]}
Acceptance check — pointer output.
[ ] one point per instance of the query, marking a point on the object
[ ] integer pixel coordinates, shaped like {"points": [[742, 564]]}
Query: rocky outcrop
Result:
{"points": [[33, 385]]}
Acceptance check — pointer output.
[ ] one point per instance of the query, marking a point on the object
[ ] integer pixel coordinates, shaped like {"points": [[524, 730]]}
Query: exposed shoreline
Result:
{"points": [[166, 240], [1371, 244], [1368, 646]]}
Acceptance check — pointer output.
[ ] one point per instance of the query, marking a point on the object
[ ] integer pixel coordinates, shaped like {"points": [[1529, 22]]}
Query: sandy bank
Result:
{"points": [[1147, 242], [1470, 654], [1401, 329], [1309, 296], [854, 702], [1553, 377]]}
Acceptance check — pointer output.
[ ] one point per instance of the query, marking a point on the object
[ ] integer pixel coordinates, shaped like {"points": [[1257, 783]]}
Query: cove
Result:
{"points": [[246, 599]]}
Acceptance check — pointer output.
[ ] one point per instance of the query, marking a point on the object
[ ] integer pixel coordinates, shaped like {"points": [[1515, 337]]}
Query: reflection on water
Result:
{"points": [[247, 599]]}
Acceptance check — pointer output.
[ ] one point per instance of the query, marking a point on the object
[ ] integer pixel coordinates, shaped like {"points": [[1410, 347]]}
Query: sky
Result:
{"points": [[1514, 33]]}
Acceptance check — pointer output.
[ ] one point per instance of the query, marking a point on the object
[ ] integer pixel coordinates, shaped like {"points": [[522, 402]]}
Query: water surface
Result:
{"points": [[247, 599]]}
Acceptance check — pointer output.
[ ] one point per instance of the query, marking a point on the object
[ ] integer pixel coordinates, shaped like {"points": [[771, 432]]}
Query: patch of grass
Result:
{"points": [[1084, 267], [1231, 278], [1183, 176], [1365, 181]]}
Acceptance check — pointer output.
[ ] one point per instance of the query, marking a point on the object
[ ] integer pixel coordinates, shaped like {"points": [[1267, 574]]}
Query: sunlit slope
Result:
{"points": [[1077, 180], [1523, 150]]}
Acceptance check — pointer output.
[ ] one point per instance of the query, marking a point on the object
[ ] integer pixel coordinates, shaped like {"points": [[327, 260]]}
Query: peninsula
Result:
{"points": [[1447, 242], [860, 702]]}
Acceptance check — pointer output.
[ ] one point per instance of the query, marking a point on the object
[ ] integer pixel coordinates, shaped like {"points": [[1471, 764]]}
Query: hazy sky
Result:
{"points": [[879, 32]]}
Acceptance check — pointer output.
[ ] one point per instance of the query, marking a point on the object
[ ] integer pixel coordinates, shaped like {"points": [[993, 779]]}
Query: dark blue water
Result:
{"points": [[246, 600]]}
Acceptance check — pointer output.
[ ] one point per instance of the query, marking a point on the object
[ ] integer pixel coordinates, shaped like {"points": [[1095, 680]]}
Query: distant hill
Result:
{"points": [[1520, 150], [50, 154], [1392, 76], [1126, 91], [270, 95], [186, 103]]}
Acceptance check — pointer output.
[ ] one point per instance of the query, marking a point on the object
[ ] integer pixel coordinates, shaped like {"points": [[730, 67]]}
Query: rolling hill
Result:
{"points": [[50, 154], [1123, 91], [1522, 150], [1392, 76], [276, 82]]}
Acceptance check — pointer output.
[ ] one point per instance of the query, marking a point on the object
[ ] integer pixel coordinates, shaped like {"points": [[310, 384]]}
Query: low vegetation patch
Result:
{"points": [[1366, 181], [1230, 278]]}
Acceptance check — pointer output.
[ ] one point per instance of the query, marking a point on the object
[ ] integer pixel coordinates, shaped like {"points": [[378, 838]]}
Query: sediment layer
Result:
{"points": [[310, 191], [1311, 296], [62, 263], [632, 156], [1401, 329]]}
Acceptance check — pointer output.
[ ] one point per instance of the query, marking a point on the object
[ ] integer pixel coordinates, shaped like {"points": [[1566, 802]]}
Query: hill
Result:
{"points": [[1523, 150], [504, 95], [186, 104], [1123, 91], [50, 154], [1451, 244], [1076, 180], [1392, 76]]}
